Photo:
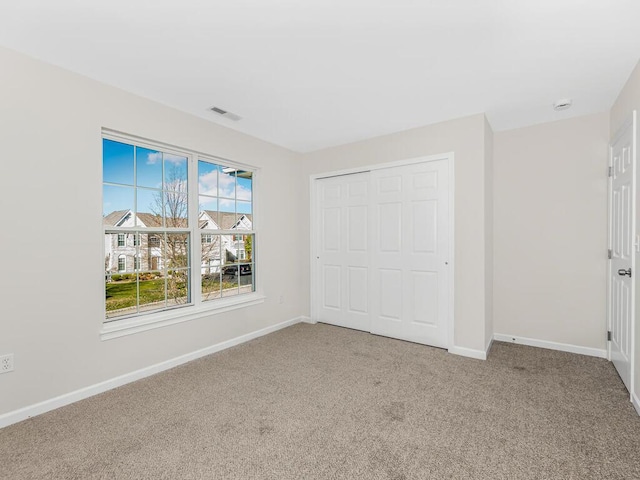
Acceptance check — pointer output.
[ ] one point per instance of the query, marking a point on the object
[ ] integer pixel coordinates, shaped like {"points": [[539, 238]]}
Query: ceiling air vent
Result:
{"points": [[225, 114]]}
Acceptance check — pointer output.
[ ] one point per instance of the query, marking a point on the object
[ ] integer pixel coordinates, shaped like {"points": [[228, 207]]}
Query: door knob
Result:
{"points": [[622, 272]]}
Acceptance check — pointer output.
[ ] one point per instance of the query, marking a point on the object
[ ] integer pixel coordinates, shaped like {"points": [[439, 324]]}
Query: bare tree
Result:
{"points": [[172, 205]]}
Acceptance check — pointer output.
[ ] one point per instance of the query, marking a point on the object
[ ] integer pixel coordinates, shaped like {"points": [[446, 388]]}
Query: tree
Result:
{"points": [[172, 205], [248, 245]]}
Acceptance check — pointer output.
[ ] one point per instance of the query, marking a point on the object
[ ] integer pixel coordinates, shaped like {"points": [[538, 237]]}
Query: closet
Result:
{"points": [[382, 251]]}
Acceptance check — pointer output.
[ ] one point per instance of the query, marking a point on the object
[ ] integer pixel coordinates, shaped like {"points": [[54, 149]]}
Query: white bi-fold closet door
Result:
{"points": [[382, 251]]}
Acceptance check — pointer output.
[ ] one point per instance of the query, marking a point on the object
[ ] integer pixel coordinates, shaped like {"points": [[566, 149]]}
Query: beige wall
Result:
{"points": [[626, 103], [51, 285], [465, 137], [488, 233], [550, 231]]}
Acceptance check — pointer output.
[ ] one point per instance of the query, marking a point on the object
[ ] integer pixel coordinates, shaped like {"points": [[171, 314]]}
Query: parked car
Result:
{"points": [[232, 270]]}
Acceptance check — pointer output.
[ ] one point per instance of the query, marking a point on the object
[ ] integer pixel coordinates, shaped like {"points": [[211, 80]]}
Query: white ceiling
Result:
{"points": [[308, 74]]}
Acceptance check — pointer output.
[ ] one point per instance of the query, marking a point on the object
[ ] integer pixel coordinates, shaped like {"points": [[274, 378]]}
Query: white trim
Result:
{"points": [[305, 319], [634, 229], [380, 166], [487, 347], [141, 323], [635, 401], [609, 247], [86, 392], [449, 157], [562, 347], [468, 352], [452, 249]]}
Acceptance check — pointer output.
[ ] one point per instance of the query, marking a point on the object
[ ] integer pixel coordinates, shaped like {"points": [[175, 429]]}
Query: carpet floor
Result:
{"points": [[323, 402]]}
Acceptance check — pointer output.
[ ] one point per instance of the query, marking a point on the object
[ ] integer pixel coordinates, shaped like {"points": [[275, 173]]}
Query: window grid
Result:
{"points": [[158, 238]]}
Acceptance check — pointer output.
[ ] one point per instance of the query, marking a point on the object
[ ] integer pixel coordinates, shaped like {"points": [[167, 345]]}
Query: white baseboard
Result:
{"points": [[468, 352], [304, 319], [487, 347], [86, 392], [563, 347], [635, 401]]}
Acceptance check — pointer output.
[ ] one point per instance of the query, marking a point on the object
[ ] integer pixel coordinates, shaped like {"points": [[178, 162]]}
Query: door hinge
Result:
{"points": [[609, 254], [610, 172], [609, 336]]}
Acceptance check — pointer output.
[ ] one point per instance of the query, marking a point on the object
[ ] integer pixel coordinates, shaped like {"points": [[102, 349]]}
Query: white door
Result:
{"points": [[382, 252], [621, 297], [342, 238], [409, 244]]}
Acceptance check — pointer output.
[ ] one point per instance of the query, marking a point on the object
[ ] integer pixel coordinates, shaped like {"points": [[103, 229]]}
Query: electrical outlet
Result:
{"points": [[6, 363]]}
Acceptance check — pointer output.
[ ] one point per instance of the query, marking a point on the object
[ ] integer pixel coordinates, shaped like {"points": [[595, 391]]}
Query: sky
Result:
{"points": [[124, 164]]}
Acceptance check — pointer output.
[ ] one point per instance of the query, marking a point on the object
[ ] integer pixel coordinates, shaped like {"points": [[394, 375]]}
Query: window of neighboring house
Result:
{"points": [[146, 195], [122, 263]]}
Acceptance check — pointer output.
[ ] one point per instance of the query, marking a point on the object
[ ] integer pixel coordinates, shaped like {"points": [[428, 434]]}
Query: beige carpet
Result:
{"points": [[321, 402]]}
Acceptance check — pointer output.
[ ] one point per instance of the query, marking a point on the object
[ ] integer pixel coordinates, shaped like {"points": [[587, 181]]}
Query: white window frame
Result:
{"points": [[122, 257], [127, 325]]}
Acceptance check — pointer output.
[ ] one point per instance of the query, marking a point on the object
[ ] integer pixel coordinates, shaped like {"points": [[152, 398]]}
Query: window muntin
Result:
{"points": [[146, 199]]}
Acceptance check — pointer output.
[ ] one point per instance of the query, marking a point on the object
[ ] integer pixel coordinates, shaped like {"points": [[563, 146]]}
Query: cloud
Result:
{"points": [[208, 184], [154, 157], [223, 185], [243, 193], [174, 159]]}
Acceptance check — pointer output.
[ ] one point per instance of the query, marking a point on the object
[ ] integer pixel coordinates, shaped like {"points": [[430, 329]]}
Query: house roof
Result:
{"points": [[114, 217], [224, 220], [150, 219]]}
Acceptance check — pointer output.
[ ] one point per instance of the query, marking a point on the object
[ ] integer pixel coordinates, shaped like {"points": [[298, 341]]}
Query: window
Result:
{"points": [[181, 211], [122, 263], [225, 206]]}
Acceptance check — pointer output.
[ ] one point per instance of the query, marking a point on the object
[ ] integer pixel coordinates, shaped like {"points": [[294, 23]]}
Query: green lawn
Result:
{"points": [[123, 294]]}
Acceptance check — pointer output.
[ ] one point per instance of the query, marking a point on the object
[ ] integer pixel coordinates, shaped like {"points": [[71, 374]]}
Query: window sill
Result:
{"points": [[121, 328]]}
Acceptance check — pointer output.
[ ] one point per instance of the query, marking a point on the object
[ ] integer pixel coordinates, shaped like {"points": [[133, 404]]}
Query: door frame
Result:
{"points": [[631, 122], [448, 157]]}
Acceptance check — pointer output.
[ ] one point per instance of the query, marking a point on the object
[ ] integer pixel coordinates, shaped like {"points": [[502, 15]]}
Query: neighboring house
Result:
{"points": [[126, 252], [233, 245]]}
